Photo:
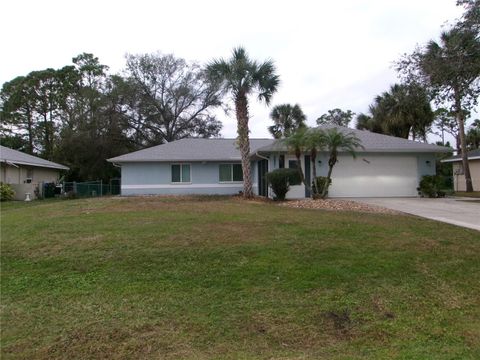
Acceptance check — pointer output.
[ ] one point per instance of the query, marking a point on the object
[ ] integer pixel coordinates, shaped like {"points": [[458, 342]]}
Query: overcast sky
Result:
{"points": [[328, 53]]}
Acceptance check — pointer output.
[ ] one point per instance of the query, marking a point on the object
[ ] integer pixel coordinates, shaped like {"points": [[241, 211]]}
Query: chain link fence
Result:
{"points": [[84, 189]]}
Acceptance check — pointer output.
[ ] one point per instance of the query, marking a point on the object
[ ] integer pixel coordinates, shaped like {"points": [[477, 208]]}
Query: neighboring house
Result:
{"points": [[387, 166], [458, 174], [24, 172]]}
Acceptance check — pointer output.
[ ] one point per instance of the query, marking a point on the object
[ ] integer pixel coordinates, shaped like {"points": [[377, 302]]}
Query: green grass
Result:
{"points": [[228, 279]]}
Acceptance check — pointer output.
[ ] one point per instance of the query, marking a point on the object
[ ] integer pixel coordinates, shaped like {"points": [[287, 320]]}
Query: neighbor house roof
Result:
{"points": [[371, 142], [472, 155], [16, 157], [192, 149]]}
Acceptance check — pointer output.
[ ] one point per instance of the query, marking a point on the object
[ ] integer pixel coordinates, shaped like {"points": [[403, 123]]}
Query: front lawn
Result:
{"points": [[224, 278]]}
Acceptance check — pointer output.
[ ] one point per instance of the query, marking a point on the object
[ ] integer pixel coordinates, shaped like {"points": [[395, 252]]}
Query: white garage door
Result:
{"points": [[374, 176]]}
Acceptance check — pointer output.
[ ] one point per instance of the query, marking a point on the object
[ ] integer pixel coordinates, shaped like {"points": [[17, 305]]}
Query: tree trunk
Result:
{"points": [[463, 145], [331, 163], [30, 132], [298, 155], [241, 108]]}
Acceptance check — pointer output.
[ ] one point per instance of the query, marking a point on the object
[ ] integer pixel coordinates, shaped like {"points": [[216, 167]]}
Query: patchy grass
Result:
{"points": [[230, 279]]}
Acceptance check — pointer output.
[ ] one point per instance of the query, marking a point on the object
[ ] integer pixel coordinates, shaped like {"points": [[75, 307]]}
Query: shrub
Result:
{"points": [[321, 183], [431, 186], [280, 180], [6, 192]]}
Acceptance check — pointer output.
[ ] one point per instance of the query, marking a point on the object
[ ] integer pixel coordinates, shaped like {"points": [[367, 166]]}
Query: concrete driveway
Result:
{"points": [[458, 211]]}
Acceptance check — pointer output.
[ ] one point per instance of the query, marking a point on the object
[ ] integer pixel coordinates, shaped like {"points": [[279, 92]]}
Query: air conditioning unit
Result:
{"points": [[27, 181]]}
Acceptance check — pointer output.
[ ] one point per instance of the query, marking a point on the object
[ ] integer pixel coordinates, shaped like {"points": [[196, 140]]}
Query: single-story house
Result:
{"points": [[458, 174], [24, 172], [386, 166]]}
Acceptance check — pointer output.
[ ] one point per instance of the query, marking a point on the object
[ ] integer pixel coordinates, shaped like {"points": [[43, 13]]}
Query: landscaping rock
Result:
{"points": [[336, 205]]}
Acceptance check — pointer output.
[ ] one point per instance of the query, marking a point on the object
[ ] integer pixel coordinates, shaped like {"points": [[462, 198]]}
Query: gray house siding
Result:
{"points": [[426, 165], [155, 178]]}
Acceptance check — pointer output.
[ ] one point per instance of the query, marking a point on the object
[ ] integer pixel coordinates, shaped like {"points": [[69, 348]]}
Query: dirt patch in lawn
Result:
{"points": [[336, 205]]}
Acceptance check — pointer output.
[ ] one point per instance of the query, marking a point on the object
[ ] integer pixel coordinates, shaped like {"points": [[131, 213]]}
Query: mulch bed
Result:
{"points": [[336, 205]]}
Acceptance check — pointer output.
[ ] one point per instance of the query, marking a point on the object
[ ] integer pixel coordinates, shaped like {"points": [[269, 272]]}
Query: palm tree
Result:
{"points": [[241, 76], [336, 141], [315, 141], [287, 119], [401, 111], [297, 144]]}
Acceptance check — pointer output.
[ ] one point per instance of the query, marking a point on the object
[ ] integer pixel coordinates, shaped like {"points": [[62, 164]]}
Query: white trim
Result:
{"points": [[179, 186]]}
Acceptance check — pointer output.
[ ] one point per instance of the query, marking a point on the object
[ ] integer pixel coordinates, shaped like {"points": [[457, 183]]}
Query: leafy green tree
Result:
{"points": [[336, 117], [167, 98], [336, 141], [473, 136], [241, 76], [446, 123], [368, 122], [404, 110], [451, 68], [287, 119], [17, 110]]}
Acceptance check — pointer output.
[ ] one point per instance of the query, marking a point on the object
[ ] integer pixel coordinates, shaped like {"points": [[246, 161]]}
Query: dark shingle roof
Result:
{"points": [[17, 157], [192, 149], [373, 142], [474, 154]]}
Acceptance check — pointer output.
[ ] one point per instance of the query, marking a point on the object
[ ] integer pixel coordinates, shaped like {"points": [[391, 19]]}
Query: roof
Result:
{"points": [[472, 155], [11, 156], [192, 149], [196, 149], [372, 142]]}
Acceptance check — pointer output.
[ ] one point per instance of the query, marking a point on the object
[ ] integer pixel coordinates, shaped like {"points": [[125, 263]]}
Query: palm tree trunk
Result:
{"points": [[463, 146], [298, 155], [241, 108], [331, 163]]}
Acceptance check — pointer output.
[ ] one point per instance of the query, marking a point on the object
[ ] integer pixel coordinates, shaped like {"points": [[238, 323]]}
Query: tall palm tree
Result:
{"points": [[241, 76], [336, 141], [297, 144], [287, 119], [314, 142]]}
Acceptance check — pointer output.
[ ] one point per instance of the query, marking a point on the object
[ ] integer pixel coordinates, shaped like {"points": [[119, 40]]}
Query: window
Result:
{"points": [[293, 164], [230, 172], [181, 173], [281, 161]]}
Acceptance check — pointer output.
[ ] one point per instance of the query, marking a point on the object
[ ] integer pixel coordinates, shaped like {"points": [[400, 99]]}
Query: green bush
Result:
{"points": [[280, 180], [6, 192], [321, 183], [431, 186]]}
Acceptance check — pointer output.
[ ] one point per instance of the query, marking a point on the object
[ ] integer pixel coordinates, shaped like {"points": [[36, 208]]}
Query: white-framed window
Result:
{"points": [[181, 173], [230, 173]]}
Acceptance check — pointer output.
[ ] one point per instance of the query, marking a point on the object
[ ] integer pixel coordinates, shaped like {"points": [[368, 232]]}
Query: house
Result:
{"points": [[387, 166], [24, 172], [458, 174]]}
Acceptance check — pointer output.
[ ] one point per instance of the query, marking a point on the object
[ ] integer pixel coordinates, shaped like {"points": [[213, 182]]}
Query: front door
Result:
{"points": [[262, 178]]}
